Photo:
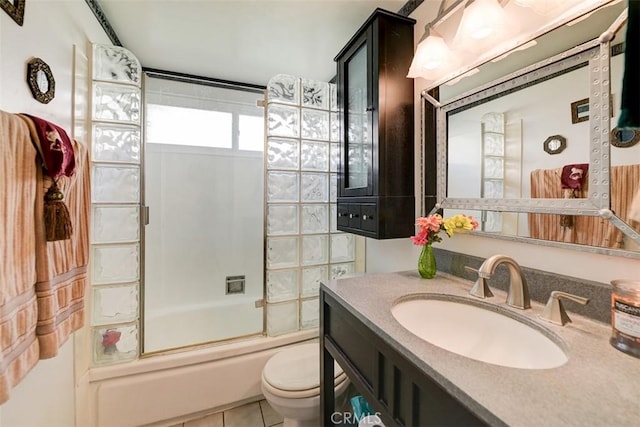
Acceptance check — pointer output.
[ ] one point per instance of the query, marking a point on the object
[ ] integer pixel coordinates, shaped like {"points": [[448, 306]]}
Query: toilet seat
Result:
{"points": [[295, 372]]}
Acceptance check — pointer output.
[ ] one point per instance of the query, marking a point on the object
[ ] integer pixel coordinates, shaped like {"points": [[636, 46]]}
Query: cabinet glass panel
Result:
{"points": [[357, 121]]}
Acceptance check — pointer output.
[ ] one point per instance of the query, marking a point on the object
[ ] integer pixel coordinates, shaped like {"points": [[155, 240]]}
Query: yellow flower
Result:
{"points": [[459, 224]]}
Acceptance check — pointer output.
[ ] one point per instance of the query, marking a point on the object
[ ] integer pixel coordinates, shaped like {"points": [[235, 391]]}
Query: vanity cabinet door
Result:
{"points": [[375, 101]]}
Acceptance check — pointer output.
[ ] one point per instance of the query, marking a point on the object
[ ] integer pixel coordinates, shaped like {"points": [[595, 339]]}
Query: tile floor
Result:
{"points": [[256, 414]]}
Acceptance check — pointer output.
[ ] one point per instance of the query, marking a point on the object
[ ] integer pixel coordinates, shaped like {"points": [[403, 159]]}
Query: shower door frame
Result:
{"points": [[144, 208]]}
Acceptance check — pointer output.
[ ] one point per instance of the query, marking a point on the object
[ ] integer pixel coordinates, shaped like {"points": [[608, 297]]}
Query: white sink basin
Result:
{"points": [[474, 330]]}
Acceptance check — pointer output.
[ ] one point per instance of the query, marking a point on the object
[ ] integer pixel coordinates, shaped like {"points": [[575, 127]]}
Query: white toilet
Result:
{"points": [[291, 384]]}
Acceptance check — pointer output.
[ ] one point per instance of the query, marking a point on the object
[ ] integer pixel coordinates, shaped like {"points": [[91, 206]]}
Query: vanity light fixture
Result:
{"points": [[481, 19], [483, 23], [476, 31], [432, 55]]}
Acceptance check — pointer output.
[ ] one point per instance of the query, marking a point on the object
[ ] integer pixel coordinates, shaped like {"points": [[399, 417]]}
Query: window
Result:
{"points": [[167, 124], [251, 130], [195, 115]]}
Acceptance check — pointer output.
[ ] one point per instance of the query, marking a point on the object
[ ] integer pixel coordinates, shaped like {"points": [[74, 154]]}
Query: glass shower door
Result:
{"points": [[203, 245]]}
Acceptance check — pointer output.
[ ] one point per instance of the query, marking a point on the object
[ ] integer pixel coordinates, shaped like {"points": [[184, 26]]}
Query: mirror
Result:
{"points": [[624, 138], [40, 80], [526, 155]]}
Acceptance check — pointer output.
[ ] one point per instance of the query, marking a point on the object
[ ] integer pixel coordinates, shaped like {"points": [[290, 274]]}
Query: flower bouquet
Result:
{"points": [[429, 232]]}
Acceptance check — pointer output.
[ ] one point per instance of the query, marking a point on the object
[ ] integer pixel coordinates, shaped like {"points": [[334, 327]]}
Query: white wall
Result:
{"points": [[588, 266], [50, 31]]}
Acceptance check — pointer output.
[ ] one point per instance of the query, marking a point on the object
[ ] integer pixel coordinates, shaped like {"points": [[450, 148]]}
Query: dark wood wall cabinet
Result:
{"points": [[376, 195], [400, 392]]}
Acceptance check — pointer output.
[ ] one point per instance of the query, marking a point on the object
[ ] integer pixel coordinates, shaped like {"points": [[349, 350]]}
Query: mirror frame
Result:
{"points": [[597, 53], [15, 9], [35, 66]]}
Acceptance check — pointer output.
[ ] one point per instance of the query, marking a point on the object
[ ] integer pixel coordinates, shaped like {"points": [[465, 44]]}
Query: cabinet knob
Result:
{"points": [[350, 216], [364, 217], [369, 108]]}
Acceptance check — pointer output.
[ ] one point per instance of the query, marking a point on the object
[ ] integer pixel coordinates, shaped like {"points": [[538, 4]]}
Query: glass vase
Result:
{"points": [[427, 263]]}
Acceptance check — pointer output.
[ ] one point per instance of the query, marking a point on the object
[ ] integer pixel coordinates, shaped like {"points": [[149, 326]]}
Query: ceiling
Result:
{"points": [[246, 41]]}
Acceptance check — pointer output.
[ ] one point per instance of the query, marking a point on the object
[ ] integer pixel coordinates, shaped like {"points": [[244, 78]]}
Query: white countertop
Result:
{"points": [[598, 386]]}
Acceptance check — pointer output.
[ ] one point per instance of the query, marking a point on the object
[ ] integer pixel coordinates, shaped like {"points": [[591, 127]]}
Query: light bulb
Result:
{"points": [[432, 56], [481, 19]]}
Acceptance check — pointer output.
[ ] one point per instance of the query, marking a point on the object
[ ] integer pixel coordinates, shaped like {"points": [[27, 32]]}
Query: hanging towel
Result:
{"points": [[586, 230], [630, 99], [572, 179], [573, 176], [634, 209], [55, 148], [18, 306], [61, 266], [58, 160]]}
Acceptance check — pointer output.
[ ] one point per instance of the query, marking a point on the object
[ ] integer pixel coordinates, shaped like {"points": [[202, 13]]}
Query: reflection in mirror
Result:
{"points": [[527, 191], [624, 137], [42, 81]]}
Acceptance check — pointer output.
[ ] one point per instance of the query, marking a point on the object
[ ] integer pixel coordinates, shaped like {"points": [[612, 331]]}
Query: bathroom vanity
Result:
{"points": [[412, 382]]}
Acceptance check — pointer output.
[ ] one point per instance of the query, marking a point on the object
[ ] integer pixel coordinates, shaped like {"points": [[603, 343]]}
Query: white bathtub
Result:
{"points": [[180, 326], [163, 390]]}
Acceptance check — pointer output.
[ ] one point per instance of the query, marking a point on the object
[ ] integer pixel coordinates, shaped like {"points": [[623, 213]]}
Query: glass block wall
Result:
{"points": [[115, 197], [303, 245], [493, 164]]}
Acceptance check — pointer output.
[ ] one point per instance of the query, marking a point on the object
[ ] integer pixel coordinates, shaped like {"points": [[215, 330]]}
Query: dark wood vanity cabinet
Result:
{"points": [[376, 196], [401, 393]]}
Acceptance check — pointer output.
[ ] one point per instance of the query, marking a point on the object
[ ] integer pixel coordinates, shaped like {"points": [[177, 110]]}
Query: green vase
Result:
{"points": [[427, 263]]}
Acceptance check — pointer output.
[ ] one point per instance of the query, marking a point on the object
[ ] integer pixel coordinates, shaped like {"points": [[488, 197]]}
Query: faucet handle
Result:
{"points": [[554, 310], [480, 289]]}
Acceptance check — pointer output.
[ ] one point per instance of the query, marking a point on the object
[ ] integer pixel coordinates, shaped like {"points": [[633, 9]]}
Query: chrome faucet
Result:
{"points": [[518, 293]]}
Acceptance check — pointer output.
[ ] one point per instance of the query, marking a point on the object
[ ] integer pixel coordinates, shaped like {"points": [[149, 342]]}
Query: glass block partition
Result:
{"points": [[493, 165], [115, 196], [303, 245]]}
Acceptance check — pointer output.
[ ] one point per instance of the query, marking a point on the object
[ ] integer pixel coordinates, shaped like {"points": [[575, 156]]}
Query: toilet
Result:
{"points": [[291, 385]]}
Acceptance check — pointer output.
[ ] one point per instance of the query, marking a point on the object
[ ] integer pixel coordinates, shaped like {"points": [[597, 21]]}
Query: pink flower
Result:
{"points": [[421, 237], [431, 223]]}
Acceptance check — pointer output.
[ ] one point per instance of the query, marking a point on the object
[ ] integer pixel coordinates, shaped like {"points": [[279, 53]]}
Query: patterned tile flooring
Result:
{"points": [[256, 414]]}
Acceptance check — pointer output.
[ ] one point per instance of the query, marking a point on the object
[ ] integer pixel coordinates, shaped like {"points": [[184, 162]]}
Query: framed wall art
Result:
{"points": [[580, 110], [15, 9]]}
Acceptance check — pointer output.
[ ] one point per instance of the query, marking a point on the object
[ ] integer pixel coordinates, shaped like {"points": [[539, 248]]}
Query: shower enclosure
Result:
{"points": [[198, 236], [203, 190]]}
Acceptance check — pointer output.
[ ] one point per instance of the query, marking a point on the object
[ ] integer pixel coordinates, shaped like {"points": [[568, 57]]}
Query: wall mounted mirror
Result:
{"points": [[489, 157], [40, 80]]}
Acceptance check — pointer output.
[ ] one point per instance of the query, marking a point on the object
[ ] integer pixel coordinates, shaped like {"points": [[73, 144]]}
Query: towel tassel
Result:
{"points": [[566, 221], [57, 221]]}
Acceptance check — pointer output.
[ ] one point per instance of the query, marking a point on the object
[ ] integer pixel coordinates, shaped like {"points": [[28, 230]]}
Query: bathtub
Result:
{"points": [[163, 390], [175, 327]]}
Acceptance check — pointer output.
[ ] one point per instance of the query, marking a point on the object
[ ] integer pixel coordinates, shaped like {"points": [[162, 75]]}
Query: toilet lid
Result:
{"points": [[296, 368]]}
